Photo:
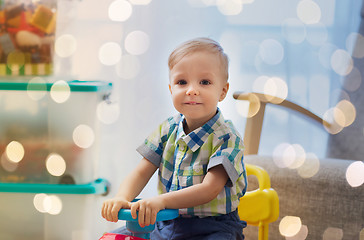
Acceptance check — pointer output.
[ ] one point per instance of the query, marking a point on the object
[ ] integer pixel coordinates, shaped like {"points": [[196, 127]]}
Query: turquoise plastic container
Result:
{"points": [[50, 131]]}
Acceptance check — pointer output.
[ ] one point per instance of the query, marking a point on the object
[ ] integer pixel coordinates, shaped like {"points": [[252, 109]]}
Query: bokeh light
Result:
{"points": [[8, 165], [83, 136], [310, 166], [108, 112], [339, 117], [293, 30], [344, 113], [287, 155], [289, 226], [259, 83], [65, 45], [355, 174], [275, 90], [128, 67], [275, 87], [15, 151], [355, 44], [333, 234], [301, 235], [52, 204], [137, 42], [248, 108], [329, 123], [308, 12], [271, 51], [38, 202], [279, 157], [60, 91], [229, 7], [341, 62], [55, 164], [299, 155], [120, 10], [15, 60], [44, 203], [110, 53], [352, 81], [37, 88], [242, 107]]}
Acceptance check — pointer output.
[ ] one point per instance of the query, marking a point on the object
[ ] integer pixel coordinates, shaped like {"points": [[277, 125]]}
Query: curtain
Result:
{"points": [[349, 143]]}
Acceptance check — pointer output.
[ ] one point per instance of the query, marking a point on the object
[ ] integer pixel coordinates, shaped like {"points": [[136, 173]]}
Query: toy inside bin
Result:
{"points": [[50, 131], [27, 31]]}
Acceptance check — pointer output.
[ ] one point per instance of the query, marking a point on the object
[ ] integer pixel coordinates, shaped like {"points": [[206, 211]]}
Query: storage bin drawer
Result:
{"points": [[49, 132], [52, 211]]}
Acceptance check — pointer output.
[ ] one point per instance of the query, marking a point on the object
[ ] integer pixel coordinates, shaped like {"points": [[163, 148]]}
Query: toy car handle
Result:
{"points": [[162, 215], [144, 232]]}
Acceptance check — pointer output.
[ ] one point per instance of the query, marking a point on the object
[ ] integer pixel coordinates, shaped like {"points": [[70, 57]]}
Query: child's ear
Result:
{"points": [[224, 92], [170, 88]]}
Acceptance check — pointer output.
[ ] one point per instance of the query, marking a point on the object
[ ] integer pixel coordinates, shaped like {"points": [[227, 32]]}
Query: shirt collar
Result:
{"points": [[197, 138]]}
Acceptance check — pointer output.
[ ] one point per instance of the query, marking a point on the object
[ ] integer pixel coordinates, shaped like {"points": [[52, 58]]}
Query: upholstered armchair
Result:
{"points": [[320, 203]]}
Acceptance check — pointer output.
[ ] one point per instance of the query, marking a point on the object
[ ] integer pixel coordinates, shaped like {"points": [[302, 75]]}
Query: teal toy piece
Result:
{"points": [[144, 232]]}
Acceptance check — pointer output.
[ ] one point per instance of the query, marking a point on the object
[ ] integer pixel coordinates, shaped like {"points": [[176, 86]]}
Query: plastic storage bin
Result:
{"points": [[50, 131], [51, 211]]}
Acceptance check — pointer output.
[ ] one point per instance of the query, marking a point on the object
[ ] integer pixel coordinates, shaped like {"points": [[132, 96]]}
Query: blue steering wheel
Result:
{"points": [[144, 232]]}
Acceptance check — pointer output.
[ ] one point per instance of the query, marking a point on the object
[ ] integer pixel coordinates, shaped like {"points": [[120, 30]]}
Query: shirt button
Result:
{"points": [[182, 148]]}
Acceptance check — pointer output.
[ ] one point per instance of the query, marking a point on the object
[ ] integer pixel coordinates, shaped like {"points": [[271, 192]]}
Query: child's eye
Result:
{"points": [[181, 82], [205, 82]]}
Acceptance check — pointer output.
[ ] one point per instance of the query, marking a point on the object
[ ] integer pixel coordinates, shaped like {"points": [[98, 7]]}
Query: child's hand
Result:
{"points": [[148, 209], [110, 208]]}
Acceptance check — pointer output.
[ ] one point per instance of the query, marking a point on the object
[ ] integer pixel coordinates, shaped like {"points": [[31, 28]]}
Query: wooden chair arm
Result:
{"points": [[254, 123]]}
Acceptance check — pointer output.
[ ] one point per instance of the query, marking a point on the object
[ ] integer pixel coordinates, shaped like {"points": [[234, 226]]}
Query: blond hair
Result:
{"points": [[196, 45]]}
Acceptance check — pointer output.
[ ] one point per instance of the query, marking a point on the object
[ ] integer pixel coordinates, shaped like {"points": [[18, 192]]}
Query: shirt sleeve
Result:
{"points": [[153, 146], [229, 153], [149, 154]]}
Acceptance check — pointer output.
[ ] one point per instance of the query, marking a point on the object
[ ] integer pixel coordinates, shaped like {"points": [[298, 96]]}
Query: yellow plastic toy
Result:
{"points": [[44, 19], [261, 206]]}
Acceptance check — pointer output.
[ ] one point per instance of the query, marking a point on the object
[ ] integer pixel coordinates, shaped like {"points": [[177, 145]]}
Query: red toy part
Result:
{"points": [[23, 25], [114, 236]]}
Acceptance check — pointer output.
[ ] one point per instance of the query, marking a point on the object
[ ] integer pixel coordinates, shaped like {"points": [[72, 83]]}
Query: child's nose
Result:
{"points": [[192, 90]]}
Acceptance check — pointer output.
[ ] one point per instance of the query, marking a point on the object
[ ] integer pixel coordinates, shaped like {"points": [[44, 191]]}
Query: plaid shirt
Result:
{"points": [[184, 160]]}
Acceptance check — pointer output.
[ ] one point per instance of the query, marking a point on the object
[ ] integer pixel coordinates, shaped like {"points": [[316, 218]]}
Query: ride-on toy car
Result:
{"points": [[139, 233]]}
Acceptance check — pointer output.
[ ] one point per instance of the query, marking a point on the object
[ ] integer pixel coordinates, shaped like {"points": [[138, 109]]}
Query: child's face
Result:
{"points": [[197, 84]]}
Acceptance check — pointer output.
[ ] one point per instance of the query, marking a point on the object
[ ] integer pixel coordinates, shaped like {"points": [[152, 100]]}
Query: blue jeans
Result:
{"points": [[227, 227]]}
